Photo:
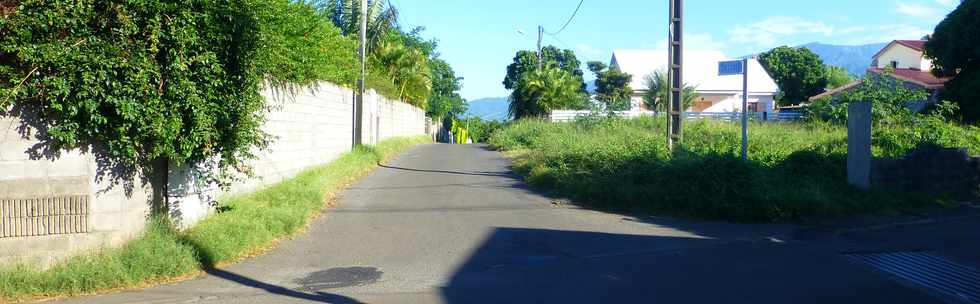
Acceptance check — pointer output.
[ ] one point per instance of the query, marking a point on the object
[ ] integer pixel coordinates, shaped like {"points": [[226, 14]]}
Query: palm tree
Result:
{"points": [[655, 96], [381, 18], [407, 68], [540, 91]]}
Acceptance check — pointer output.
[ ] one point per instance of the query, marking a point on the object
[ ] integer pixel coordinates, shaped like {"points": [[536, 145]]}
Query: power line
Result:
{"points": [[569, 19]]}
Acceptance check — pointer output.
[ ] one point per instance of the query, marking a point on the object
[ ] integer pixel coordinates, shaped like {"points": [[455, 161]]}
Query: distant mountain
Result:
{"points": [[493, 108], [855, 58]]}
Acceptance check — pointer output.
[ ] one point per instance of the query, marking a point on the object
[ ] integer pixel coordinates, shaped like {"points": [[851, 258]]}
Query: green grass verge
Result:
{"points": [[249, 224], [795, 171]]}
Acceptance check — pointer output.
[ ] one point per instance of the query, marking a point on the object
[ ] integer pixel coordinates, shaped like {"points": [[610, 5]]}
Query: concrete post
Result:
{"points": [[859, 145]]}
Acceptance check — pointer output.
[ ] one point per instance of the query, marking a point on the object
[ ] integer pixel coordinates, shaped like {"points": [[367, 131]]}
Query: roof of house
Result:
{"points": [[922, 78], [918, 45], [838, 90], [700, 71]]}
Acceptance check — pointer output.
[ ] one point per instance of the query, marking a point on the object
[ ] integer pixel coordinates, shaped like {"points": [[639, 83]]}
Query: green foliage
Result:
{"points": [[445, 99], [480, 130], [527, 61], [837, 77], [612, 86], [346, 15], [250, 224], [955, 50], [887, 95], [795, 171], [407, 68], [541, 91], [799, 73], [148, 80], [655, 96]]}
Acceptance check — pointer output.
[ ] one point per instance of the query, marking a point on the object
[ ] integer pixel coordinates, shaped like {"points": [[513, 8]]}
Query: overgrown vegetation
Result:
{"points": [[180, 81], [480, 130], [248, 225], [796, 171], [955, 50]]}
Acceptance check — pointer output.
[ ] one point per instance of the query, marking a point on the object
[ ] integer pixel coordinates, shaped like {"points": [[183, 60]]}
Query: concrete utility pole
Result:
{"points": [[540, 55], [359, 100], [745, 109], [675, 75]]}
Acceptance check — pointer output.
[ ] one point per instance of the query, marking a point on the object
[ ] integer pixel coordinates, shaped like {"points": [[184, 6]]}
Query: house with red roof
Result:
{"points": [[905, 61]]}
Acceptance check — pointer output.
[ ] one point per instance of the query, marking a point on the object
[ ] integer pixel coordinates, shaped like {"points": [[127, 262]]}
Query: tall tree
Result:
{"points": [[526, 61], [407, 68], [837, 77], [541, 91], [381, 18], [612, 86], [655, 96], [799, 73], [955, 50], [445, 99]]}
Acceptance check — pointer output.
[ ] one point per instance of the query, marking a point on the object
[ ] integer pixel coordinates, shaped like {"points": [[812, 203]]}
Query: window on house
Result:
{"points": [[894, 64]]}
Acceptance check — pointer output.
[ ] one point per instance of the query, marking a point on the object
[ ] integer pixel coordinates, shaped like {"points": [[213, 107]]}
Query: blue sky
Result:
{"points": [[479, 37]]}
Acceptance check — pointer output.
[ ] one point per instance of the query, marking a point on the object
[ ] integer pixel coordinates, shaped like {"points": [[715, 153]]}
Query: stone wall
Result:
{"points": [[56, 206], [930, 170]]}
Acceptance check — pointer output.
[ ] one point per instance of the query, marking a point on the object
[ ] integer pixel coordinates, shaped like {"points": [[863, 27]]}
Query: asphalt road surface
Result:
{"points": [[452, 224]]}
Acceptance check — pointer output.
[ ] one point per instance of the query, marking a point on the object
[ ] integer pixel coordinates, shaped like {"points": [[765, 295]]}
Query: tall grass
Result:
{"points": [[795, 171], [249, 224]]}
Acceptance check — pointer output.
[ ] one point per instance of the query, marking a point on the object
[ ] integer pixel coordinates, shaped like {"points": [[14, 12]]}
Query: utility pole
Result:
{"points": [[359, 100], [745, 109], [675, 75], [540, 55]]}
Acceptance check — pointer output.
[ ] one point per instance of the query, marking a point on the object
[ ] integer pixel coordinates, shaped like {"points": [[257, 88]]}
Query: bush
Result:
{"points": [[480, 130], [795, 171], [175, 80]]}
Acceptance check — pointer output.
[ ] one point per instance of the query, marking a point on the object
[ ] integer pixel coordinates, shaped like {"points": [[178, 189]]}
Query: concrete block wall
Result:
{"points": [[59, 204], [311, 127], [930, 170]]}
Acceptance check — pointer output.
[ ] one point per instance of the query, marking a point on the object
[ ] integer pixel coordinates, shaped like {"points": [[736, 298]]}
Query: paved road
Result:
{"points": [[451, 224]]}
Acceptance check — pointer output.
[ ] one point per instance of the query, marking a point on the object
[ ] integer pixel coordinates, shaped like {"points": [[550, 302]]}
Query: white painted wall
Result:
{"points": [[727, 103], [906, 57], [311, 128], [733, 103]]}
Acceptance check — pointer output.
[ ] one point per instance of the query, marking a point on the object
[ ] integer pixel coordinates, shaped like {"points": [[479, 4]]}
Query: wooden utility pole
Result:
{"points": [[359, 99], [675, 75]]}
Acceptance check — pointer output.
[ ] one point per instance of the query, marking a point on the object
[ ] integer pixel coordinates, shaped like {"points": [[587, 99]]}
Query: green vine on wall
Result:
{"points": [[178, 80]]}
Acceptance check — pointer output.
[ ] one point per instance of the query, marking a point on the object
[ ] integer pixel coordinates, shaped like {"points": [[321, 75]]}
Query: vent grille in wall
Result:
{"points": [[44, 216]]}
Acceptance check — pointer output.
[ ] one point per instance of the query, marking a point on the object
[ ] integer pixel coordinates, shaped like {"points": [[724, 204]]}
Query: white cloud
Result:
{"points": [[887, 33], [770, 30], [587, 49], [917, 10]]}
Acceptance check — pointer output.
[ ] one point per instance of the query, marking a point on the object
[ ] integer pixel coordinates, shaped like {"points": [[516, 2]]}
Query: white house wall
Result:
{"points": [[733, 103], [906, 57]]}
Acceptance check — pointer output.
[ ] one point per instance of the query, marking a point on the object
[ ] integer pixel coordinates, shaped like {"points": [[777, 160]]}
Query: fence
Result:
{"points": [[568, 115]]}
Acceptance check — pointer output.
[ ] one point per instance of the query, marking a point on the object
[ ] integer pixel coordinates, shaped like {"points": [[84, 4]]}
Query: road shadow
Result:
{"points": [[209, 263], [523, 265], [318, 296]]}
